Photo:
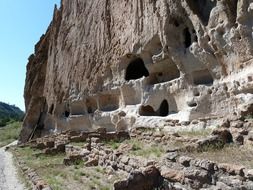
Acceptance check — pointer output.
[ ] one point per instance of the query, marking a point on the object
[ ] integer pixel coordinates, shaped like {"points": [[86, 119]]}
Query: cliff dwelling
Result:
{"points": [[108, 102], [148, 110], [170, 63], [91, 105], [202, 77], [187, 38], [136, 69], [141, 92], [163, 72]]}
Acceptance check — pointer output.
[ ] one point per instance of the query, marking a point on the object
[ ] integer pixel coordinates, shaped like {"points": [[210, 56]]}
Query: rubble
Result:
{"points": [[174, 169]]}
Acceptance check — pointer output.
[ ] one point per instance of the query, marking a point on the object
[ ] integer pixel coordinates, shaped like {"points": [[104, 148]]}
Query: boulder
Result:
{"points": [[224, 135], [250, 136], [237, 124], [197, 177], [232, 169], [171, 156], [172, 175], [239, 139], [92, 162], [204, 164]]}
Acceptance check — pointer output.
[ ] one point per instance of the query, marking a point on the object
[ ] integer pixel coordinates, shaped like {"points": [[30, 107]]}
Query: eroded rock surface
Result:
{"points": [[125, 64]]}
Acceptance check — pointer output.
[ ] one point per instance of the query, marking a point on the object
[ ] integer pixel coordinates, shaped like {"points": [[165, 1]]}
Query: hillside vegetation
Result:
{"points": [[9, 133], [9, 114]]}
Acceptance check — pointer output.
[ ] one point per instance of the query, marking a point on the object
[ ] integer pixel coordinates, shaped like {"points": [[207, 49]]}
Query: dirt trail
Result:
{"points": [[8, 173]]}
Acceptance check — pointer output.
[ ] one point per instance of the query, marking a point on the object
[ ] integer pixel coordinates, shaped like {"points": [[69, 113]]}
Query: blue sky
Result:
{"points": [[22, 23]]}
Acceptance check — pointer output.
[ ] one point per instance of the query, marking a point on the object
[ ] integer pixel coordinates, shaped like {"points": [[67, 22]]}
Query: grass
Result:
{"points": [[196, 133], [231, 153], [113, 144], [79, 144], [9, 133], [211, 147], [59, 176], [144, 129], [150, 151], [139, 148]]}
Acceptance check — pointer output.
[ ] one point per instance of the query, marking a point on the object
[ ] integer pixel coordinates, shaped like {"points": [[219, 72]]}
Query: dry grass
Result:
{"points": [[23, 179], [239, 155], [139, 148], [9, 133], [146, 150], [196, 133], [59, 176]]}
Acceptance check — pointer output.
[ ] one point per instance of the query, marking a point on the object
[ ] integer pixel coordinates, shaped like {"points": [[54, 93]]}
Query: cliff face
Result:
{"points": [[130, 63]]}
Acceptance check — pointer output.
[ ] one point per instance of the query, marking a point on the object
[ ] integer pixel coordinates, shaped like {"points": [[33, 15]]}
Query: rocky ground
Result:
{"points": [[145, 159], [8, 173]]}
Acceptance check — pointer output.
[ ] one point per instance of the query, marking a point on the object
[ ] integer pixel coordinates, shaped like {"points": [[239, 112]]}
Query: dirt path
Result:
{"points": [[8, 173]]}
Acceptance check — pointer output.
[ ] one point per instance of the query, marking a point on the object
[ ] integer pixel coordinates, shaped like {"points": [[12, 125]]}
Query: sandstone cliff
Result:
{"points": [[130, 63]]}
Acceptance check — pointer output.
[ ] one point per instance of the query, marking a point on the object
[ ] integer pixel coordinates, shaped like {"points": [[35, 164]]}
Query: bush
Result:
{"points": [[4, 121]]}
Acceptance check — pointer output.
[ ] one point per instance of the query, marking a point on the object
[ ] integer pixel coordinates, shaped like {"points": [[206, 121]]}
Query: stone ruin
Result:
{"points": [[173, 170], [128, 64]]}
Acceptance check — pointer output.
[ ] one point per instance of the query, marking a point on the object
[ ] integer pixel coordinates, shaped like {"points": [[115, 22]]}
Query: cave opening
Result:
{"points": [[66, 113], [202, 77], [232, 6], [136, 69], [108, 102], [40, 124], [164, 108], [51, 109], [202, 8], [89, 110], [176, 23], [192, 104], [163, 74], [148, 110], [187, 38], [91, 105], [77, 108]]}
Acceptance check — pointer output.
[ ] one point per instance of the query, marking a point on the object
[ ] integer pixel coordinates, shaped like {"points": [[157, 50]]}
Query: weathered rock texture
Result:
{"points": [[128, 63]]}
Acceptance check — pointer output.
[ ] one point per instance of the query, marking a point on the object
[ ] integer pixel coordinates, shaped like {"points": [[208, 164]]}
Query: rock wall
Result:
{"points": [[128, 63]]}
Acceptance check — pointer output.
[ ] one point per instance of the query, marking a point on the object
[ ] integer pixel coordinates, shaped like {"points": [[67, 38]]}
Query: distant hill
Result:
{"points": [[9, 113]]}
